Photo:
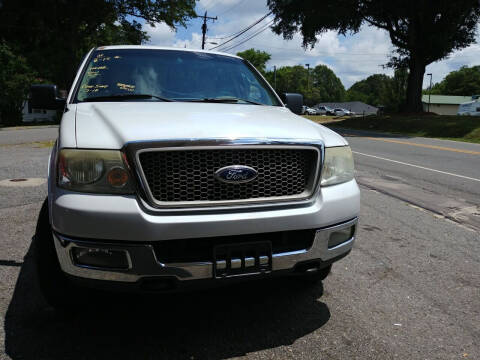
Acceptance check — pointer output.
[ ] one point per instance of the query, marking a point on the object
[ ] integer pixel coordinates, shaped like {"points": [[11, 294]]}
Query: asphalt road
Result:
{"points": [[409, 290]]}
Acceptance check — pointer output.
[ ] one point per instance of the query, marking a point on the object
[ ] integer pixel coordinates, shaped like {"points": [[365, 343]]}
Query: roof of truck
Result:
{"points": [[151, 47]]}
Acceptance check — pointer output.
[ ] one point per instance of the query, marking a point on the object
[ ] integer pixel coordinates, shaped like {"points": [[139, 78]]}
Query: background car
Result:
{"points": [[310, 111], [339, 112], [343, 112], [324, 110]]}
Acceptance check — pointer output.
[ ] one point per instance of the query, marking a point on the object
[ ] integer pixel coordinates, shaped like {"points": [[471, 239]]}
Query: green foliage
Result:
{"points": [[463, 82], [15, 79], [257, 58], [54, 35], [422, 32], [381, 90], [321, 85], [370, 91]]}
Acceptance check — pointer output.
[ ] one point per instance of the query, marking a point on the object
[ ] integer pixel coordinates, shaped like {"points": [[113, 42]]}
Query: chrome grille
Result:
{"points": [[187, 176]]}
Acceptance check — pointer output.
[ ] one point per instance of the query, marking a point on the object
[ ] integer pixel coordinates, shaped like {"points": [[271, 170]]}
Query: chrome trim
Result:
{"points": [[236, 263], [135, 148], [145, 264], [249, 261]]}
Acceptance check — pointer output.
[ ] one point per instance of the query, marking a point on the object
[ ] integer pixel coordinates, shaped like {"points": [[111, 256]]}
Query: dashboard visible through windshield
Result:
{"points": [[171, 75]]}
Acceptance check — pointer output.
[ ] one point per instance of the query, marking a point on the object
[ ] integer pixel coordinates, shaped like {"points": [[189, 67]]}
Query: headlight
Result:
{"points": [[337, 166], [94, 171]]}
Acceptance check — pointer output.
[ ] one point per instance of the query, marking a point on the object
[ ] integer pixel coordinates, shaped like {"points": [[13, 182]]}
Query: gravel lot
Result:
{"points": [[409, 290]]}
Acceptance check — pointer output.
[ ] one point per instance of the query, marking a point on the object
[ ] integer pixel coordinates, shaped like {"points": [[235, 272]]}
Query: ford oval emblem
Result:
{"points": [[236, 174]]}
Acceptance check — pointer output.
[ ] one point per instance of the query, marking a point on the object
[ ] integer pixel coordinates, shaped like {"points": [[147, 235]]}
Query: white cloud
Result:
{"points": [[160, 35], [352, 57]]}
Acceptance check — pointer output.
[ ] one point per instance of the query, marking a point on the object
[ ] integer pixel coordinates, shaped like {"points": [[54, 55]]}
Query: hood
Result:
{"points": [[110, 125]]}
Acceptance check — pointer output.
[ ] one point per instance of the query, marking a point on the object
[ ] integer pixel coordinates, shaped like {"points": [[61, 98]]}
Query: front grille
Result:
{"points": [[201, 249], [188, 175]]}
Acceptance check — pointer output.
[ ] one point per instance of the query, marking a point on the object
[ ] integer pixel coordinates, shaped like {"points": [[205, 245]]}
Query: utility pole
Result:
{"points": [[204, 27], [308, 75], [429, 91]]}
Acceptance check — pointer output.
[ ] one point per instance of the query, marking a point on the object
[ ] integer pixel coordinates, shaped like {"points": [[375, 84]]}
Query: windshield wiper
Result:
{"points": [[120, 97], [225, 100]]}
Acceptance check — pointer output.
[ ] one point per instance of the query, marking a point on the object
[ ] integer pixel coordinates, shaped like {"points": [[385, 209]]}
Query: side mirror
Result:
{"points": [[294, 102], [46, 97]]}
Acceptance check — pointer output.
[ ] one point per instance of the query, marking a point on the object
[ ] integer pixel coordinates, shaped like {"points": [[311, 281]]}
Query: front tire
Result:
{"points": [[53, 283]]}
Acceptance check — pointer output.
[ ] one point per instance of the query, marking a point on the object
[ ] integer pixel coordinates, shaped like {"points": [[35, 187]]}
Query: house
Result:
{"points": [[443, 104], [357, 107]]}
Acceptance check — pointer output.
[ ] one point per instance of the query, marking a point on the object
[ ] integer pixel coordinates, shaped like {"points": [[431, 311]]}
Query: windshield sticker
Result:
{"points": [[93, 88], [94, 71], [101, 57], [126, 87]]}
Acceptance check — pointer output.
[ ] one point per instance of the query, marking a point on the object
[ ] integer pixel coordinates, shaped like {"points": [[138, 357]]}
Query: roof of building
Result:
{"points": [[355, 106], [446, 99], [151, 47]]}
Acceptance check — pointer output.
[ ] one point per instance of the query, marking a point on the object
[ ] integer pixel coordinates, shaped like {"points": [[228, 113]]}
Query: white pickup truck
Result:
{"points": [[176, 167]]}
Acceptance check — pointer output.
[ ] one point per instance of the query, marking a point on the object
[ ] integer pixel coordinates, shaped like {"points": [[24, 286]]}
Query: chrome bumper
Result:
{"points": [[143, 262]]}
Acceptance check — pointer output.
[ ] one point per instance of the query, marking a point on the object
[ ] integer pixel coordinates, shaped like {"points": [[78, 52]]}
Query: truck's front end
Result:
{"points": [[175, 165]]}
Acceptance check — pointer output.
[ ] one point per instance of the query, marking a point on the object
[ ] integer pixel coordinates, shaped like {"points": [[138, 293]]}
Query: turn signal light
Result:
{"points": [[117, 177]]}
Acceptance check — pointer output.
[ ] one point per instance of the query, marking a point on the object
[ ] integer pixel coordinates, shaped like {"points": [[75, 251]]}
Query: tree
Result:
{"points": [[381, 90], [257, 58], [396, 93], [54, 35], [329, 85], [323, 85], [370, 90], [421, 31], [463, 82], [15, 79]]}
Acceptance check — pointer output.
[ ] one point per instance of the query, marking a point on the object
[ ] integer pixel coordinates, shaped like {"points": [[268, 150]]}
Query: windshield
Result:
{"points": [[171, 75]]}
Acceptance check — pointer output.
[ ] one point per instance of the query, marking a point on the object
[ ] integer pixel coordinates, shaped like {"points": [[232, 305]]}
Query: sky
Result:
{"points": [[352, 57]]}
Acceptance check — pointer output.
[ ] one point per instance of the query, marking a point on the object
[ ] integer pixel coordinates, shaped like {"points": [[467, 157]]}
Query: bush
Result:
{"points": [[15, 79]]}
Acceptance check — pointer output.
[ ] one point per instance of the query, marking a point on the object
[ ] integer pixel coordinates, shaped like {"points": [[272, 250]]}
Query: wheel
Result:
{"points": [[317, 276], [53, 284]]}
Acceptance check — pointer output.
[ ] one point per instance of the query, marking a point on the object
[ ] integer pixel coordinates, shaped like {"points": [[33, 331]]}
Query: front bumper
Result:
{"points": [[142, 261], [126, 218]]}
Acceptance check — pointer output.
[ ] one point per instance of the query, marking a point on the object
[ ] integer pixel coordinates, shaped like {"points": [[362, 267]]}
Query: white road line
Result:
{"points": [[417, 166]]}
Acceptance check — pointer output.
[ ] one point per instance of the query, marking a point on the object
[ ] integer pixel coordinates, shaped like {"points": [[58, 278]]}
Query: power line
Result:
{"points": [[226, 36], [265, 27], [242, 31], [223, 37]]}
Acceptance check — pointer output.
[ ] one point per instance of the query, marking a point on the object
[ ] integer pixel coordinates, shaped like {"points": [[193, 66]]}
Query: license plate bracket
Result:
{"points": [[242, 259]]}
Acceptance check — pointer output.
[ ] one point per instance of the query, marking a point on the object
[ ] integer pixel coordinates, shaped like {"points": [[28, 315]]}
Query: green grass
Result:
{"points": [[324, 119], [459, 128]]}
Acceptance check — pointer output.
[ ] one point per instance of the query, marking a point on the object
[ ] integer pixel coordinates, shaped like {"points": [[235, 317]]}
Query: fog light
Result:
{"points": [[340, 236], [100, 258]]}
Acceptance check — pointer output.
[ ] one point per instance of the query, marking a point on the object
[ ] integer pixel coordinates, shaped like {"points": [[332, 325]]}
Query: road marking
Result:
{"points": [[436, 147], [417, 166]]}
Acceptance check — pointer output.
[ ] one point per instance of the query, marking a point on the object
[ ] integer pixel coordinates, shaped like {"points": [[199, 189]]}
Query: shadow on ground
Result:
{"points": [[214, 324]]}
